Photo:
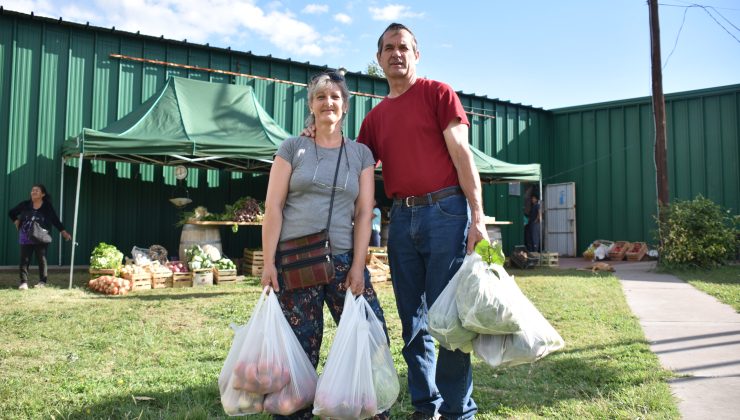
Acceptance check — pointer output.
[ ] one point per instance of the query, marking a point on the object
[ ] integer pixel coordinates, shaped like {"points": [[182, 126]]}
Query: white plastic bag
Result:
{"points": [[347, 386], [444, 321], [141, 256], [601, 252], [266, 368], [483, 299], [385, 377], [536, 339]]}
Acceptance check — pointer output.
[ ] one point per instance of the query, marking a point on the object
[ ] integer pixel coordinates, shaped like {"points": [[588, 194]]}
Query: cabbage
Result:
{"points": [[105, 256]]}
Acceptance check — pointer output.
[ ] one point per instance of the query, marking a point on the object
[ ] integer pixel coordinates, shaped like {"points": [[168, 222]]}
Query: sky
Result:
{"points": [[544, 53]]}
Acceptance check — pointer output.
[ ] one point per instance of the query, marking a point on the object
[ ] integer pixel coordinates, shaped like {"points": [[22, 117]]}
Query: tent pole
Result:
{"points": [[542, 239], [74, 226], [61, 209]]}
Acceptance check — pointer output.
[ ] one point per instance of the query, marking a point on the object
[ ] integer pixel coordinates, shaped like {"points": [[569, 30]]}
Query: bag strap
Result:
{"points": [[334, 185]]}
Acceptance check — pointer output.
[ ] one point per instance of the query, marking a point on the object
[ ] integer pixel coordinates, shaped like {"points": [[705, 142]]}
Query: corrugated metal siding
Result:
{"points": [[607, 150], [56, 78]]}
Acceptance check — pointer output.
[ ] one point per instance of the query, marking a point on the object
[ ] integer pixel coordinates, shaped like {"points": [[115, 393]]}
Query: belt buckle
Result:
{"points": [[406, 201]]}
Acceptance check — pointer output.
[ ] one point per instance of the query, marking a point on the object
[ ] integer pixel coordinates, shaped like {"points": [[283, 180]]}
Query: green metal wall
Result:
{"points": [[607, 150], [58, 77]]}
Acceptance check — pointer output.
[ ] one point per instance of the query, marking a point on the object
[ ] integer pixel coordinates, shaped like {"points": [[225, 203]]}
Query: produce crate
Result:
{"points": [[102, 272], [619, 250], [546, 259], [182, 280], [141, 281], [253, 262], [637, 251], [521, 258], [161, 280], [380, 252], [202, 277], [224, 276]]}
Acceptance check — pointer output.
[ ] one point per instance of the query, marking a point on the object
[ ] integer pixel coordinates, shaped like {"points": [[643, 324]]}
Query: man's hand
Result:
{"points": [[66, 235], [476, 233], [17, 224], [309, 131]]}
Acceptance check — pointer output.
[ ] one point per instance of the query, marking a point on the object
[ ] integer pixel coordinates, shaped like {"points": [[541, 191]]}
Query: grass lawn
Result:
{"points": [[723, 283], [157, 354]]}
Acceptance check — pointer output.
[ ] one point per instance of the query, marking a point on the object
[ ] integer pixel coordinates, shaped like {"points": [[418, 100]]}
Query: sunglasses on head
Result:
{"points": [[333, 76]]}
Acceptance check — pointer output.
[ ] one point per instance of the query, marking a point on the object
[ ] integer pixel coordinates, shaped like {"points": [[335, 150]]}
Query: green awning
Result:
{"points": [[493, 170], [192, 123]]}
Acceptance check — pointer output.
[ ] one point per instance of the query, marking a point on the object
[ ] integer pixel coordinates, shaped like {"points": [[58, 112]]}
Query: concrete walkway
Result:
{"points": [[693, 334]]}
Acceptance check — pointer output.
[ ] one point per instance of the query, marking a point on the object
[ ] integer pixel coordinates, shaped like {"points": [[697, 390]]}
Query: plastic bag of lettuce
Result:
{"points": [[105, 256]]}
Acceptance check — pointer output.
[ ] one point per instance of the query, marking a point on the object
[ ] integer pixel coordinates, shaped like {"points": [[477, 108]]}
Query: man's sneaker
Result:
{"points": [[40, 285], [23, 286], [418, 415]]}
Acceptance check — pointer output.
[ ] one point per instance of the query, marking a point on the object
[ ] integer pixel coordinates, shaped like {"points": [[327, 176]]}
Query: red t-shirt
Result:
{"points": [[405, 133]]}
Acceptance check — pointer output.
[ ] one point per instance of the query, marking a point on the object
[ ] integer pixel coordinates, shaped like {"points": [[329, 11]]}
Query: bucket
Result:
{"points": [[199, 235]]}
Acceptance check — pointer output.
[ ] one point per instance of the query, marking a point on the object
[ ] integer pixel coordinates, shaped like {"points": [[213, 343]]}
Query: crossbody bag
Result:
{"points": [[306, 261]]}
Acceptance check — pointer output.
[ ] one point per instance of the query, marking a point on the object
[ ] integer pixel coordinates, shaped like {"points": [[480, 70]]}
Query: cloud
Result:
{"points": [[199, 21], [315, 9], [343, 18], [393, 12]]}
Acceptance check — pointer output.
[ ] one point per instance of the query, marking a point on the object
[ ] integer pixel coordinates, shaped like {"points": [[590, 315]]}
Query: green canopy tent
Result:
{"points": [[492, 170], [188, 122]]}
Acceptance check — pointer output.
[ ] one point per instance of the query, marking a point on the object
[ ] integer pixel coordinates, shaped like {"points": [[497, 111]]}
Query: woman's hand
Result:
{"points": [[17, 224], [356, 280], [269, 277], [66, 235]]}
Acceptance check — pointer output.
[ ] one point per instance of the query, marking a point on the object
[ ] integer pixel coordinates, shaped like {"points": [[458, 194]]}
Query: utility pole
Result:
{"points": [[661, 167]]}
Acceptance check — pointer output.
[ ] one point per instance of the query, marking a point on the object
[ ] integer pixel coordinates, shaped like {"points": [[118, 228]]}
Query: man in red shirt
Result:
{"points": [[420, 133]]}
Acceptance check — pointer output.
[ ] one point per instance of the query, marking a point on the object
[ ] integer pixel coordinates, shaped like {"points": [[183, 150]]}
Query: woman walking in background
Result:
{"points": [[38, 210]]}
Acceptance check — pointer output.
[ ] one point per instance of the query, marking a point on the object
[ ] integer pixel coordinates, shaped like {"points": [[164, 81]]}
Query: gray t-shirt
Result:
{"points": [[309, 193]]}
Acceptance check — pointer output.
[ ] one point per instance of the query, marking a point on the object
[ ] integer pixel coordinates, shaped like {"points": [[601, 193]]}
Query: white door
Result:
{"points": [[560, 218]]}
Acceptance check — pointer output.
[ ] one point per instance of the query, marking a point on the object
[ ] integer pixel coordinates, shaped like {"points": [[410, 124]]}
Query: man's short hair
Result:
{"points": [[394, 27]]}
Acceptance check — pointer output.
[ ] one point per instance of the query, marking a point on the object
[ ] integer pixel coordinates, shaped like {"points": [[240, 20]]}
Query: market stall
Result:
{"points": [[207, 125]]}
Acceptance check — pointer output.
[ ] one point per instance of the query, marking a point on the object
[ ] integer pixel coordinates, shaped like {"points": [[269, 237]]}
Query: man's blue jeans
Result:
{"points": [[426, 246]]}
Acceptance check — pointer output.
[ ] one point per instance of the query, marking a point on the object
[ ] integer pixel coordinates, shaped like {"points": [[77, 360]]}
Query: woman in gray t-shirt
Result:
{"points": [[297, 204]]}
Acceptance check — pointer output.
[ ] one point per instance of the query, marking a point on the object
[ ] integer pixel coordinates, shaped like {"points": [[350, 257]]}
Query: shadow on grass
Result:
{"points": [[540, 389], [551, 272]]}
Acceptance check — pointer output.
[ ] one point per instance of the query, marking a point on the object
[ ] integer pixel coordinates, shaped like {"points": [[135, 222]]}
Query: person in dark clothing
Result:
{"points": [[37, 209], [532, 230]]}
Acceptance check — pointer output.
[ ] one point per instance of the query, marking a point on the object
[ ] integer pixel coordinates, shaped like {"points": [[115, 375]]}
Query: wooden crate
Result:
{"points": [[253, 262], [547, 259], [224, 276], [380, 252], [203, 277], [103, 272], [141, 281], [252, 270], [161, 281], [182, 280], [253, 256], [636, 251], [619, 250]]}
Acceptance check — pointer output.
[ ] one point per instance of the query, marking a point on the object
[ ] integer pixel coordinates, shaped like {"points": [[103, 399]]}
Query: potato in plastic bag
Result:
{"points": [[346, 389]]}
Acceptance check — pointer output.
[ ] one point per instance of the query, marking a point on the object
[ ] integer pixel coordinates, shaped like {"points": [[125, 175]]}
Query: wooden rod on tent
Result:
{"points": [[251, 76]]}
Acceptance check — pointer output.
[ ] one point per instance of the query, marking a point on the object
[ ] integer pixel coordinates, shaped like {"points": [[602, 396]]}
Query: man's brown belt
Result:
{"points": [[427, 199]]}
